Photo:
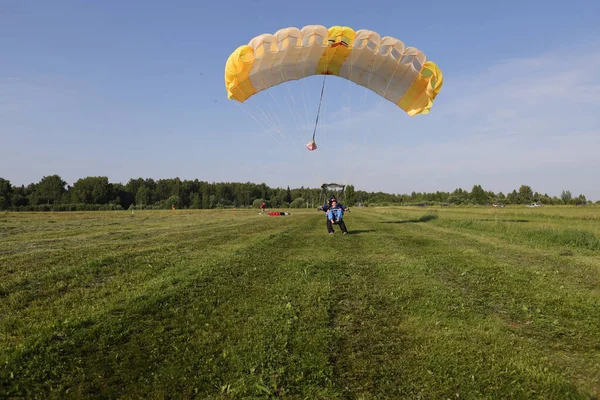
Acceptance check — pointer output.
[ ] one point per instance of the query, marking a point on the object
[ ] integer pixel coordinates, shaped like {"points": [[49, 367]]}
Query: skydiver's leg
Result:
{"points": [[343, 227], [329, 226]]}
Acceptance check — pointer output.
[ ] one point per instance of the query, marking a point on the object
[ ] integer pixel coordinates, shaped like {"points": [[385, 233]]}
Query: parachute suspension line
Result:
{"points": [[293, 110], [298, 122], [273, 116], [305, 99], [264, 118], [260, 123], [267, 119], [312, 145], [361, 106], [355, 129], [277, 128], [278, 123], [319, 109], [305, 106], [349, 144], [324, 115], [276, 116], [305, 88], [295, 107]]}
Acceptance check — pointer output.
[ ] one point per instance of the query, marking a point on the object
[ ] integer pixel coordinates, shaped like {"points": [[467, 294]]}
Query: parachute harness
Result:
{"points": [[312, 145]]}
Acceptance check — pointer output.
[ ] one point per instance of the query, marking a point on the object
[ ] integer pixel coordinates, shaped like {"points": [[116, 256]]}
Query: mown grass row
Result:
{"points": [[411, 304]]}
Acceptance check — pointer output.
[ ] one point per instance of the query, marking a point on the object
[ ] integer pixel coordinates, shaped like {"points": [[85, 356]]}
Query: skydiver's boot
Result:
{"points": [[343, 227], [330, 227]]}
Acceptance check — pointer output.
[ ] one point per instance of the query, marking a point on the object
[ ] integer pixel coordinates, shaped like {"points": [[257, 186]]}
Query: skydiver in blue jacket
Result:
{"points": [[327, 205]]}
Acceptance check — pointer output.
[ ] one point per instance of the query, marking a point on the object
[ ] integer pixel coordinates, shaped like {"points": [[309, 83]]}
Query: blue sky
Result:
{"points": [[135, 89]]}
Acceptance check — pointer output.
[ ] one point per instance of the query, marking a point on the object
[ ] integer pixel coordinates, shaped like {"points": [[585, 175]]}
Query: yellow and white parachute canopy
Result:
{"points": [[385, 65]]}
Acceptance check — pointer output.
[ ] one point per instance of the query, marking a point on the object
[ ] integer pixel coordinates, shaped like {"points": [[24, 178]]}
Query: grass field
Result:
{"points": [[417, 303]]}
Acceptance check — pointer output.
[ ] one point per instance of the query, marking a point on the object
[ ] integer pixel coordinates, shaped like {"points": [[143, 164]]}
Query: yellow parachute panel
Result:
{"points": [[418, 99], [340, 42], [237, 70], [385, 65]]}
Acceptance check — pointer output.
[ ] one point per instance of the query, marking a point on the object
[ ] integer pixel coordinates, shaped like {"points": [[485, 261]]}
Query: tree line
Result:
{"points": [[52, 193]]}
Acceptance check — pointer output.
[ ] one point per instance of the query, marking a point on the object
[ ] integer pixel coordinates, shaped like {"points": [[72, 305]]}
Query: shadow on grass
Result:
{"points": [[359, 231], [503, 220], [424, 218]]}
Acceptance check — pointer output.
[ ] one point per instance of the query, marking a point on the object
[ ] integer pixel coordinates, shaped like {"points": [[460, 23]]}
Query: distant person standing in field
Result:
{"points": [[263, 208]]}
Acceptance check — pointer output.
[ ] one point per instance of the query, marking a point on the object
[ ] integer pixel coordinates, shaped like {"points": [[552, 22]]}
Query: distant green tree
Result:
{"points": [[166, 188], [478, 195], [276, 201], [205, 201], [5, 194], [288, 196], [349, 195], [525, 194], [19, 197], [452, 199], [187, 190], [579, 200], [196, 201], [458, 196], [50, 189], [298, 202], [133, 185], [545, 199], [92, 190], [513, 197], [203, 191], [123, 196], [173, 201], [142, 197], [566, 197]]}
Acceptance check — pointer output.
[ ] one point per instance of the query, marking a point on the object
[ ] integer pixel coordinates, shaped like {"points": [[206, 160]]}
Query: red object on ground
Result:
{"points": [[278, 213]]}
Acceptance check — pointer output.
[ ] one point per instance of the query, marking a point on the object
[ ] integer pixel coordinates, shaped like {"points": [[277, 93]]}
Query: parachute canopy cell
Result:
{"points": [[385, 65]]}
